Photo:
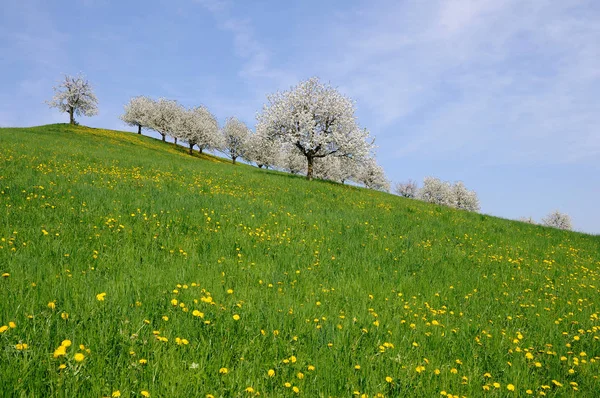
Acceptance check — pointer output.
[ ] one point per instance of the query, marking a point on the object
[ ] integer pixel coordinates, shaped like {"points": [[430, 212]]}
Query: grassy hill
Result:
{"points": [[186, 276]]}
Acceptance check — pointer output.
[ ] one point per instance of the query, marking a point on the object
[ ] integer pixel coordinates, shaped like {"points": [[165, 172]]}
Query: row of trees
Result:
{"points": [[440, 192], [556, 219], [309, 129]]}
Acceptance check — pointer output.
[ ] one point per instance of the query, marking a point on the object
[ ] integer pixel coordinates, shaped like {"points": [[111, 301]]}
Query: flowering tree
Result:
{"points": [[317, 120], [556, 219], [464, 199], [528, 220], [372, 176], [262, 150], [162, 116], [435, 191], [408, 189], [74, 96], [235, 138], [198, 126], [137, 112], [292, 160]]}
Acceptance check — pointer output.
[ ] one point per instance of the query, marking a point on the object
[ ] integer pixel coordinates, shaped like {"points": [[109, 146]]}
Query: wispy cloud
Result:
{"points": [[475, 76]]}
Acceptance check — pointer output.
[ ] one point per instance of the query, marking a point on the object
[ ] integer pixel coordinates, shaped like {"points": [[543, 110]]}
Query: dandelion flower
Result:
{"points": [[310, 368], [510, 387], [60, 351], [143, 361], [79, 357], [296, 389], [271, 373], [100, 296], [287, 384], [249, 390], [3, 328], [12, 325], [52, 305], [145, 393], [116, 394], [66, 343], [223, 371], [389, 379], [236, 317]]}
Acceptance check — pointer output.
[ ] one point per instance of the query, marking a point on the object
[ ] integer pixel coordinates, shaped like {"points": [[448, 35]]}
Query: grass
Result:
{"points": [[144, 257]]}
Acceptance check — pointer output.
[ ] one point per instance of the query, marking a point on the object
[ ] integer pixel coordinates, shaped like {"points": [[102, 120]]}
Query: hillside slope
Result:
{"points": [[187, 276]]}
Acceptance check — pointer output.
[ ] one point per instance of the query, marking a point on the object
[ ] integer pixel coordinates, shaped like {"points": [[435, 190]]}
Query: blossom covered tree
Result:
{"points": [[137, 112], [464, 199], [235, 138], [317, 120], [74, 96], [292, 160], [372, 175], [436, 191], [559, 220], [162, 116], [408, 189], [262, 150], [198, 126]]}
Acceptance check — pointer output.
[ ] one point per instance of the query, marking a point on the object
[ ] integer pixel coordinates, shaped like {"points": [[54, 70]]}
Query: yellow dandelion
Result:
{"points": [[287, 384], [249, 390], [116, 394], [100, 296], [236, 317], [223, 371], [60, 351], [12, 325], [66, 343], [310, 368], [145, 393], [271, 372], [296, 389], [52, 305], [510, 387], [79, 357], [300, 375], [389, 379], [143, 361]]}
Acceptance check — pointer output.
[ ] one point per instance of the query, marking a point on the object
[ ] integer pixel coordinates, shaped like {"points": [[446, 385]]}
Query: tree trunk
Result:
{"points": [[175, 140], [260, 166], [200, 150], [139, 129], [191, 148], [233, 158], [71, 117], [309, 172], [164, 137]]}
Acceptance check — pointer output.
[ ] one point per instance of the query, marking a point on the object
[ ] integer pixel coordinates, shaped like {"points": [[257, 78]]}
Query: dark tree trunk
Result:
{"points": [[71, 116], [164, 137], [309, 171], [175, 140], [191, 148], [260, 166], [200, 150], [139, 129], [233, 158]]}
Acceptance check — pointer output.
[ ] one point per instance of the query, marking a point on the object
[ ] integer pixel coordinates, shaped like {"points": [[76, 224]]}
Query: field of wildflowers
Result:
{"points": [[129, 268]]}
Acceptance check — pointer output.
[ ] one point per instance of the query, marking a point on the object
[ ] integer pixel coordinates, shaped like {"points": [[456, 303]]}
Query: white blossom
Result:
{"points": [[528, 220], [162, 116], [372, 176], [262, 150], [317, 120], [137, 112], [235, 138], [408, 189], [559, 220], [292, 160], [198, 126], [464, 199], [436, 191], [74, 96]]}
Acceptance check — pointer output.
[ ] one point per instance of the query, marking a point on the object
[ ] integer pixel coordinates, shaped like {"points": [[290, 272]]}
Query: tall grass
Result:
{"points": [[186, 276]]}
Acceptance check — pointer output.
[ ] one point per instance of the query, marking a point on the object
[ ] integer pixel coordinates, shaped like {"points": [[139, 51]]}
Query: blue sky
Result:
{"points": [[501, 94]]}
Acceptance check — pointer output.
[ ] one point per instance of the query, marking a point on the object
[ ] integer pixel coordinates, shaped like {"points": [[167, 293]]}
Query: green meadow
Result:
{"points": [[130, 268]]}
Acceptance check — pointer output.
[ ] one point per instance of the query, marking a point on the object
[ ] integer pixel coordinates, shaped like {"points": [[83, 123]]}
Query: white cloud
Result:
{"points": [[511, 78]]}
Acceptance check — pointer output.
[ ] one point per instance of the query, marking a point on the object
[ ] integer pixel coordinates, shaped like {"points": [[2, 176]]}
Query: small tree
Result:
{"points": [[162, 116], [317, 120], [436, 191], [199, 127], [235, 138], [137, 112], [464, 199], [556, 219], [372, 175], [528, 220], [263, 151], [74, 96], [408, 189]]}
